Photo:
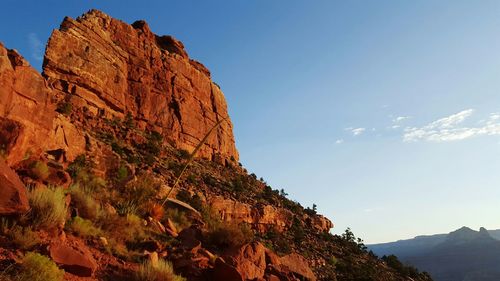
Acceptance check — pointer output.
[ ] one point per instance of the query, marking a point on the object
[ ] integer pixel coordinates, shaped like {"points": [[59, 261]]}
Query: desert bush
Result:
{"points": [[23, 237], [297, 230], [178, 218], [159, 271], [81, 199], [123, 228], [140, 191], [121, 173], [48, 207], [35, 267], [123, 233], [64, 108], [183, 154], [39, 170], [228, 235], [194, 201], [83, 228], [128, 207], [79, 164]]}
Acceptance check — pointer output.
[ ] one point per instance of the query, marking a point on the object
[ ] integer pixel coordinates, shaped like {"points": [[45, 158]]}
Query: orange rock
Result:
{"points": [[249, 260], [226, 272], [115, 69], [29, 115], [298, 265], [321, 223], [262, 217], [13, 198], [76, 260]]}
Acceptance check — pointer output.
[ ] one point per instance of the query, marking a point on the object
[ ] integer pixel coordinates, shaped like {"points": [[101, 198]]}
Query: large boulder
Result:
{"points": [[249, 260], [298, 265], [226, 272], [13, 198], [114, 69], [75, 259]]}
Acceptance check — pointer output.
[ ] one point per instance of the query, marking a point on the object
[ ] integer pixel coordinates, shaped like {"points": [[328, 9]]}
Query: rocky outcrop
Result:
{"points": [[255, 262], [13, 198], [263, 217], [29, 124], [320, 223], [114, 69]]}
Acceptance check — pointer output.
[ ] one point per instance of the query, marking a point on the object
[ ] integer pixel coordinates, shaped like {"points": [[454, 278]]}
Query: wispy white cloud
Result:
{"points": [[449, 128], [339, 141], [357, 131], [37, 47], [400, 119]]}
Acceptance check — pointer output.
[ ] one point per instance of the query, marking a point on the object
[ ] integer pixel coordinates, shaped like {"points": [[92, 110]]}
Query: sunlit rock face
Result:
{"points": [[115, 69]]}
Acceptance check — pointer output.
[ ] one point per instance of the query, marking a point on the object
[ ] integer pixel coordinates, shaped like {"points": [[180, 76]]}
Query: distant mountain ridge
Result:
{"points": [[461, 255]]}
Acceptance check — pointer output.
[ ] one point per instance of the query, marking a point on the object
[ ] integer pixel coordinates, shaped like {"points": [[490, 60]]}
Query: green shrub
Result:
{"points": [[81, 199], [23, 237], [160, 271], [129, 207], [136, 194], [121, 173], [123, 233], [64, 108], [184, 154], [178, 218], [127, 228], [36, 267], [83, 228], [194, 201], [48, 207], [229, 235], [333, 261], [39, 170]]}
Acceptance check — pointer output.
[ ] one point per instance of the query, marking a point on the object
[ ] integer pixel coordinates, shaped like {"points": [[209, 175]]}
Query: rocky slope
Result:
{"points": [[93, 146]]}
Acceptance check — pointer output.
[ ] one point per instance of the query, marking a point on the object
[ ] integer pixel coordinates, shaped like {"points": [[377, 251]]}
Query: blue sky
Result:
{"points": [[383, 113]]}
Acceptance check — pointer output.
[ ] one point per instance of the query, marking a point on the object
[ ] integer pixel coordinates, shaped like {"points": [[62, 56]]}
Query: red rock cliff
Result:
{"points": [[114, 69], [29, 124]]}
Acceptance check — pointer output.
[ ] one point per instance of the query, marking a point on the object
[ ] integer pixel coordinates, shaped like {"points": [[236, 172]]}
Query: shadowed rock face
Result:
{"points": [[13, 198], [29, 124], [114, 69]]}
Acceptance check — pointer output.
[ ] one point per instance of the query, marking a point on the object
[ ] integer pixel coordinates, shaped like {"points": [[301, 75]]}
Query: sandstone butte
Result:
{"points": [[110, 69]]}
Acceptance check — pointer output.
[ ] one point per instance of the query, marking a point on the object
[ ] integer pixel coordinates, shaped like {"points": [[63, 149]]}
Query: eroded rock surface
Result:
{"points": [[115, 69], [29, 124], [76, 259], [263, 217], [13, 198]]}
